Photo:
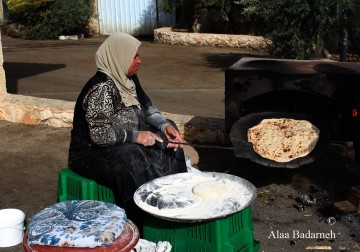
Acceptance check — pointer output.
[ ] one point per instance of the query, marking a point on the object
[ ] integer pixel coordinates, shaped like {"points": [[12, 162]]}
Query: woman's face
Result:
{"points": [[134, 67]]}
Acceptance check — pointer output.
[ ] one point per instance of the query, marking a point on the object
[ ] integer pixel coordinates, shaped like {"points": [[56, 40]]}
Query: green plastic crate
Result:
{"points": [[72, 186], [233, 233]]}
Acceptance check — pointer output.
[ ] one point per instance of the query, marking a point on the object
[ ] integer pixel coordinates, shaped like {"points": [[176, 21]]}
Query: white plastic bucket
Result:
{"points": [[11, 227]]}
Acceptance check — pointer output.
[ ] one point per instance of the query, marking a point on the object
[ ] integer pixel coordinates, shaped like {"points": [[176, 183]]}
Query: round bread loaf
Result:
{"points": [[283, 139]]}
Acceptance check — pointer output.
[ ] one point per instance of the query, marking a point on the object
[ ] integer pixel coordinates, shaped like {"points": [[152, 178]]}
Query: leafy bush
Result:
{"points": [[304, 29], [19, 6], [234, 16], [351, 14], [216, 16], [297, 29], [49, 19]]}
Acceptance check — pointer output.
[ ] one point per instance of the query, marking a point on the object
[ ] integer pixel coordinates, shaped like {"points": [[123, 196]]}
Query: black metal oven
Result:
{"points": [[325, 92]]}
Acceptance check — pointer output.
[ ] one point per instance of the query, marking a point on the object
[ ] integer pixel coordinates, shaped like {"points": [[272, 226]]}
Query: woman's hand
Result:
{"points": [[147, 138], [174, 136]]}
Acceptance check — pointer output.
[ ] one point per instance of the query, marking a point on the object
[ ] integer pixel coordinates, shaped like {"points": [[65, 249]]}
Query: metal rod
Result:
{"points": [[203, 145]]}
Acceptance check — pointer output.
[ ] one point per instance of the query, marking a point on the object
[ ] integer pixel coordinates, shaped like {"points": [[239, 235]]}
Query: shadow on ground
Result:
{"points": [[15, 71]]}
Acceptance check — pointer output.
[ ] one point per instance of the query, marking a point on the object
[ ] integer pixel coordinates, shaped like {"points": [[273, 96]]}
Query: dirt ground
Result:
{"points": [[31, 156]]}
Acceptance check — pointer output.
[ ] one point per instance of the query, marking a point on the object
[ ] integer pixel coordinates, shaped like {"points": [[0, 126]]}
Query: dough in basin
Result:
{"points": [[210, 189]]}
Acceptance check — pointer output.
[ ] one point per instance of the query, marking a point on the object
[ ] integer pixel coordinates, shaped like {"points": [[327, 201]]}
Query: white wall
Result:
{"points": [[135, 17]]}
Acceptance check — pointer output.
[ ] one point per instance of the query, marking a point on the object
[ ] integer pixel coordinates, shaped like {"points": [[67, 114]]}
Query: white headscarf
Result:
{"points": [[114, 58]]}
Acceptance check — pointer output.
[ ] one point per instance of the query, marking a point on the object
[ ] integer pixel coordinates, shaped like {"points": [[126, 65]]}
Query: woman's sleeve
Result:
{"points": [[152, 115], [156, 119], [99, 108]]}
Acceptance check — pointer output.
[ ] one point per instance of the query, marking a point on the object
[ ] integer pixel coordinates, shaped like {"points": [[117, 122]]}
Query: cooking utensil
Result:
{"points": [[244, 149], [197, 145]]}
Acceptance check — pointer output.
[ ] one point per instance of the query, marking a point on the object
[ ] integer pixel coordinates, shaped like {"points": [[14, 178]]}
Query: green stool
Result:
{"points": [[233, 233], [72, 186]]}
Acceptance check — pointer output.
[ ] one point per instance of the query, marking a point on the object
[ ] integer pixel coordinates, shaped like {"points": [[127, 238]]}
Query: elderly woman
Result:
{"points": [[119, 138]]}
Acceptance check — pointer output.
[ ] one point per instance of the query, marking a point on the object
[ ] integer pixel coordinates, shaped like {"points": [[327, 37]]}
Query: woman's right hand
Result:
{"points": [[147, 138]]}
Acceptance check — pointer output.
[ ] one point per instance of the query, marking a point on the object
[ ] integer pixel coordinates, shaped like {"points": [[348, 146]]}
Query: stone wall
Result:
{"points": [[57, 113], [34, 110], [166, 36]]}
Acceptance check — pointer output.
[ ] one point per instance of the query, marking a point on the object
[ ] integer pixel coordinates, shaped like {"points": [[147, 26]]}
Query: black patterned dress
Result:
{"points": [[103, 137]]}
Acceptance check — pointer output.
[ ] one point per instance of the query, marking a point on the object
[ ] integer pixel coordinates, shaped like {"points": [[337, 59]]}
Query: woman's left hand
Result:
{"points": [[174, 136]]}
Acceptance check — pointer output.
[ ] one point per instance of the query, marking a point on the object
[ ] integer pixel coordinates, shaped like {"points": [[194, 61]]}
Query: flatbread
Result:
{"points": [[283, 139]]}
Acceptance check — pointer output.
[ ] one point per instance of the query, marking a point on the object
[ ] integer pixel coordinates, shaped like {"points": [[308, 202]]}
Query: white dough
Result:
{"points": [[210, 189]]}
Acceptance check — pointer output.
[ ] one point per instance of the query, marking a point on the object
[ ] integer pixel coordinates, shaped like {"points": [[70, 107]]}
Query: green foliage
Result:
{"points": [[235, 16], [352, 23], [223, 5], [302, 29], [168, 6], [19, 6], [48, 20], [298, 29], [286, 25], [248, 16]]}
